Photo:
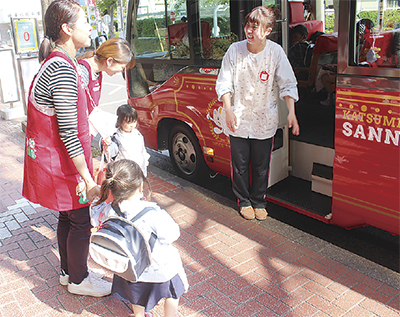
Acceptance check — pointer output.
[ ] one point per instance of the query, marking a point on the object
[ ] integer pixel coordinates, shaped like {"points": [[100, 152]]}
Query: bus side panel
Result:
{"points": [[366, 171], [146, 118], [188, 98], [197, 104]]}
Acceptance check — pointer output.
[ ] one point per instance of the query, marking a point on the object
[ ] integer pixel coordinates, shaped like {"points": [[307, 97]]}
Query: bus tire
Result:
{"points": [[185, 153]]}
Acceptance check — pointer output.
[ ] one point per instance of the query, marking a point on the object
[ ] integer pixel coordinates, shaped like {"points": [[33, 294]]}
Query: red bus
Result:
{"points": [[344, 167]]}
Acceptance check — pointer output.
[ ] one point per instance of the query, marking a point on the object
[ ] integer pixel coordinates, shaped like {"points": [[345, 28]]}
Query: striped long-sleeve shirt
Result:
{"points": [[57, 88]]}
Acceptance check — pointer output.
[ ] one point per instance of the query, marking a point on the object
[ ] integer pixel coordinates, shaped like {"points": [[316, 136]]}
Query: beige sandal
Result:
{"points": [[247, 212], [260, 213]]}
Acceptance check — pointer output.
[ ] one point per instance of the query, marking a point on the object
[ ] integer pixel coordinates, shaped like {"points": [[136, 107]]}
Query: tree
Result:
{"points": [[109, 7], [203, 3]]}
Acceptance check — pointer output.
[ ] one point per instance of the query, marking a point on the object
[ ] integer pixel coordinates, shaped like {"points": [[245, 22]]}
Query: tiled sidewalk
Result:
{"points": [[235, 267]]}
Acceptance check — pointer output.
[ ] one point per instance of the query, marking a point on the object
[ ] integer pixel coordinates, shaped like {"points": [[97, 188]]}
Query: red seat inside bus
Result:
{"points": [[296, 16], [177, 31], [326, 43]]}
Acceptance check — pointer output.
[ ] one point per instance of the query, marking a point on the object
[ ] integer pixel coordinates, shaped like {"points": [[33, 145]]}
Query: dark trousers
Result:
{"points": [[258, 152], [73, 234]]}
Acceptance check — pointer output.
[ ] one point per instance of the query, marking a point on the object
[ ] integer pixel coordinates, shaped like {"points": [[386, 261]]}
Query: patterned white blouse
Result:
{"points": [[256, 81]]}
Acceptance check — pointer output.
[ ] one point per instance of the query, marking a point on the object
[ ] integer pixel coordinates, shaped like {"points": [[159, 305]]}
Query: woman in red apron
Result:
{"points": [[111, 57], [58, 161]]}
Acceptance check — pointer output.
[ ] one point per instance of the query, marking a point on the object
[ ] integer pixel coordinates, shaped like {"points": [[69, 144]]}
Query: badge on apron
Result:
{"points": [[264, 76], [30, 148], [81, 192]]}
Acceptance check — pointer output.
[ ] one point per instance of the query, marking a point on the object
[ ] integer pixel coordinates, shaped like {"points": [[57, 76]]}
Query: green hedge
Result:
{"points": [[390, 18], [149, 45], [146, 27], [329, 23]]}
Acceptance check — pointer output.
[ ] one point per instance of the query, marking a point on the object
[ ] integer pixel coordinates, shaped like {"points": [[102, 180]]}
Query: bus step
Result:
{"points": [[321, 179]]}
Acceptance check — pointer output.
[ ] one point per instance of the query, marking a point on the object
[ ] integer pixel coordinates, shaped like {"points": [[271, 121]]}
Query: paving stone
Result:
{"points": [[29, 210], [5, 233], [19, 203], [6, 218], [21, 217], [36, 206], [12, 225]]}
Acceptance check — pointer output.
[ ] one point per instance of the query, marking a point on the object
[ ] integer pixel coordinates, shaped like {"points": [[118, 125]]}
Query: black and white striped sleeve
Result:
{"points": [[64, 92]]}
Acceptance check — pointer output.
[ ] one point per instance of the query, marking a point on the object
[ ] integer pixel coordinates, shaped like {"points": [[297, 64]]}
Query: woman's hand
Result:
{"points": [[231, 120], [92, 191], [292, 122], [106, 144]]}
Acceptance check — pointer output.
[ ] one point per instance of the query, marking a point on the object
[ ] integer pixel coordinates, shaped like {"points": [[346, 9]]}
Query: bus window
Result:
{"points": [[276, 34], [150, 38], [160, 36], [375, 34], [177, 30], [215, 30]]}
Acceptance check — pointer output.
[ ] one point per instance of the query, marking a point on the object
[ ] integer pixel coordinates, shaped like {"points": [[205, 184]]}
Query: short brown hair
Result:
{"points": [[263, 16], [126, 112]]}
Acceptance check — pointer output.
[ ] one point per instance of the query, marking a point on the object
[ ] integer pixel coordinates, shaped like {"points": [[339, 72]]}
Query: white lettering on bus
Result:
{"points": [[395, 138], [373, 134]]}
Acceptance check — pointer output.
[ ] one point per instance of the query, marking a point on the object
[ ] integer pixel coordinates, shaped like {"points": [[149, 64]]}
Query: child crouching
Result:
{"points": [[165, 277]]}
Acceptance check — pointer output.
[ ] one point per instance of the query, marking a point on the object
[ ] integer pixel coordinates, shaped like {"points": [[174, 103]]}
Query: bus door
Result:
{"points": [[279, 166]]}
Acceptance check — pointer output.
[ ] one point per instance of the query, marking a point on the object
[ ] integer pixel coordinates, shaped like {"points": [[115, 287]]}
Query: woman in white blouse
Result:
{"points": [[254, 74]]}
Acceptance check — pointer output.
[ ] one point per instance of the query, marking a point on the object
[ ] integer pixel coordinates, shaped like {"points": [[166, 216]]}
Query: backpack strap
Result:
{"points": [[118, 143], [153, 236], [116, 208], [114, 139]]}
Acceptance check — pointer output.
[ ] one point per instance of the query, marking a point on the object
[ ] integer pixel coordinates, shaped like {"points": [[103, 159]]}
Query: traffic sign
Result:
{"points": [[25, 35], [106, 19]]}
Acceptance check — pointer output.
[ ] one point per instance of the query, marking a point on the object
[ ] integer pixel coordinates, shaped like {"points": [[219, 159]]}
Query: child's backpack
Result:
{"points": [[308, 55], [108, 158], [120, 247]]}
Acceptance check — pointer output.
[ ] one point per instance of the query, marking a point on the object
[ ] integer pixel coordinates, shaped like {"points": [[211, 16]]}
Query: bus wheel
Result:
{"points": [[185, 153]]}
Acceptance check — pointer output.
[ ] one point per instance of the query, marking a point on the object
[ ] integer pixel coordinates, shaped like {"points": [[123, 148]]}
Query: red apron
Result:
{"points": [[50, 176], [94, 86]]}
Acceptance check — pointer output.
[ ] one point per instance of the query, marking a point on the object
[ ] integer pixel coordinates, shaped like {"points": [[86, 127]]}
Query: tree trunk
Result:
{"points": [[111, 26]]}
